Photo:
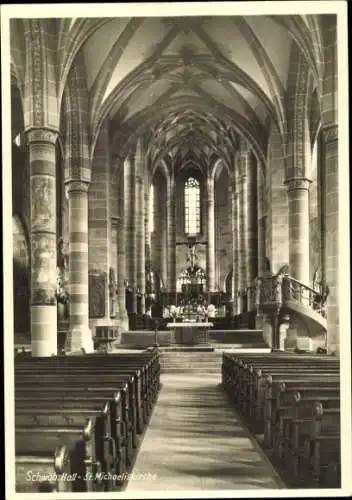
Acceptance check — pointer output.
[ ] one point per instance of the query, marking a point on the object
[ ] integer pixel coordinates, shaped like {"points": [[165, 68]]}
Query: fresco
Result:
{"points": [[44, 268], [43, 203]]}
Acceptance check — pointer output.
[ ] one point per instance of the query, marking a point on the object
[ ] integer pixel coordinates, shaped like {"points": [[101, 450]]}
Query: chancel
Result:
{"points": [[175, 251]]}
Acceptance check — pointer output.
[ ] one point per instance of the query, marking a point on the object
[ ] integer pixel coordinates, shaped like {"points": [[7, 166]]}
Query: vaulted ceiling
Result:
{"points": [[192, 85]]}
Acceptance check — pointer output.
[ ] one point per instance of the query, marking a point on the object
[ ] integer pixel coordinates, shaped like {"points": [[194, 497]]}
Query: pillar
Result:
{"points": [[171, 237], [211, 236], [147, 235], [251, 221], [163, 218], [298, 208], [235, 262], [129, 205], [261, 218], [121, 272], [242, 199], [334, 206], [42, 161], [79, 335], [140, 232]]}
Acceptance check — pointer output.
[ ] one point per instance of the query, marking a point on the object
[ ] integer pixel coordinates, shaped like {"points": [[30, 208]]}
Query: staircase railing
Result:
{"points": [[281, 289], [294, 290]]}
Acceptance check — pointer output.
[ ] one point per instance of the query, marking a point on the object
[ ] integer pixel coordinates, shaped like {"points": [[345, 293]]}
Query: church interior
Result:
{"points": [[175, 219]]}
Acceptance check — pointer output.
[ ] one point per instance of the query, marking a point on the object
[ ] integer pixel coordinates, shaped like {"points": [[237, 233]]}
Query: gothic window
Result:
{"points": [[192, 206], [151, 209]]}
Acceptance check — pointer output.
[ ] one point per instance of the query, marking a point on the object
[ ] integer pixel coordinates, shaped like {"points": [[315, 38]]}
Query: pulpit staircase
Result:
{"points": [[282, 295]]}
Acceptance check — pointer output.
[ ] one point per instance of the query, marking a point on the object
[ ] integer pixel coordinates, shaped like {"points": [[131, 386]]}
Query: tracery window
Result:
{"points": [[192, 206]]}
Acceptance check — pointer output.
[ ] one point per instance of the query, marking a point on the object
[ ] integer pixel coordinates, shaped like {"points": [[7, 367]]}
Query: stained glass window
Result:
{"points": [[192, 206]]}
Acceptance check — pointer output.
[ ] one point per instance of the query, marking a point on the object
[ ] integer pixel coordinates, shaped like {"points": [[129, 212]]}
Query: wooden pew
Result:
{"points": [[123, 442], [50, 472], [71, 406], [92, 380], [307, 428], [150, 378], [34, 373], [285, 397], [138, 392], [305, 376], [324, 446], [41, 440], [105, 444], [255, 380]]}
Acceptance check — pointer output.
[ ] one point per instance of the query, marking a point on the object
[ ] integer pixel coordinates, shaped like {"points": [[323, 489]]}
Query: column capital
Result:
{"points": [[244, 147], [76, 185], [297, 183], [330, 132], [34, 135]]}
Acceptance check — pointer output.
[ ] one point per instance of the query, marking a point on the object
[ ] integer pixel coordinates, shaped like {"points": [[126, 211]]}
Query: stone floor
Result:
{"points": [[196, 441]]}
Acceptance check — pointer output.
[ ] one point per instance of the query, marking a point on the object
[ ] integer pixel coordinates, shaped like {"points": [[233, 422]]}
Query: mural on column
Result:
{"points": [[43, 253], [43, 203]]}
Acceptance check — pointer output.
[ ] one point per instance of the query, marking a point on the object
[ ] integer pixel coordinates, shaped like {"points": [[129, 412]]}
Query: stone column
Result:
{"points": [[298, 207], [235, 267], [121, 273], [211, 236], [261, 224], [42, 161], [79, 334], [163, 240], [140, 234], [334, 206], [242, 227], [114, 312], [147, 234], [129, 230], [251, 221], [171, 236]]}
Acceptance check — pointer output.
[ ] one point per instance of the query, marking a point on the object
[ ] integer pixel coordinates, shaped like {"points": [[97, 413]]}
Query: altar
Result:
{"points": [[190, 333]]}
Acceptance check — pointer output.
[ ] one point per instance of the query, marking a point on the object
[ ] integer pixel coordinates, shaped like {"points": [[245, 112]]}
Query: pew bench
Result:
{"points": [[263, 387], [285, 410], [140, 397], [41, 440], [122, 428], [45, 472]]}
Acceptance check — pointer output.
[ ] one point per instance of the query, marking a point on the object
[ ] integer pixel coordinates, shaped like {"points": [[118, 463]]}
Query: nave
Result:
{"points": [[197, 441]]}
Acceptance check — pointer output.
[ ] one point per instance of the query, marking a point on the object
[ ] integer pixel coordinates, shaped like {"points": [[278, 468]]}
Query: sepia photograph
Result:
{"points": [[176, 250]]}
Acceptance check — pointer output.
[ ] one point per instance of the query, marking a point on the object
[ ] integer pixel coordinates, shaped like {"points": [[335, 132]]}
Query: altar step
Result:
{"points": [[190, 361]]}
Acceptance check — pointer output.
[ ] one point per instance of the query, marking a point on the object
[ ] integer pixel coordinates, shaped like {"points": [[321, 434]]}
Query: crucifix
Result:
{"points": [[191, 255]]}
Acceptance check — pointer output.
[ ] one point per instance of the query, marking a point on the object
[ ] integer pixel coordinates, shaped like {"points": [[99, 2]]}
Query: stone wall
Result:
{"points": [[223, 229]]}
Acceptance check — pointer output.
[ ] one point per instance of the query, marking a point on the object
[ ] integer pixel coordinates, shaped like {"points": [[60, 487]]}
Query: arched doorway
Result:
{"points": [[21, 287]]}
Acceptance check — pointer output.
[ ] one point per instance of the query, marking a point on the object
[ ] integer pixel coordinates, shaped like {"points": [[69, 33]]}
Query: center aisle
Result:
{"points": [[195, 441]]}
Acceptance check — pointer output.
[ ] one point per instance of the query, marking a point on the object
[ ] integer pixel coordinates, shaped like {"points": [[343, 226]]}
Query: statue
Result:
{"points": [[113, 290], [62, 272], [62, 295]]}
